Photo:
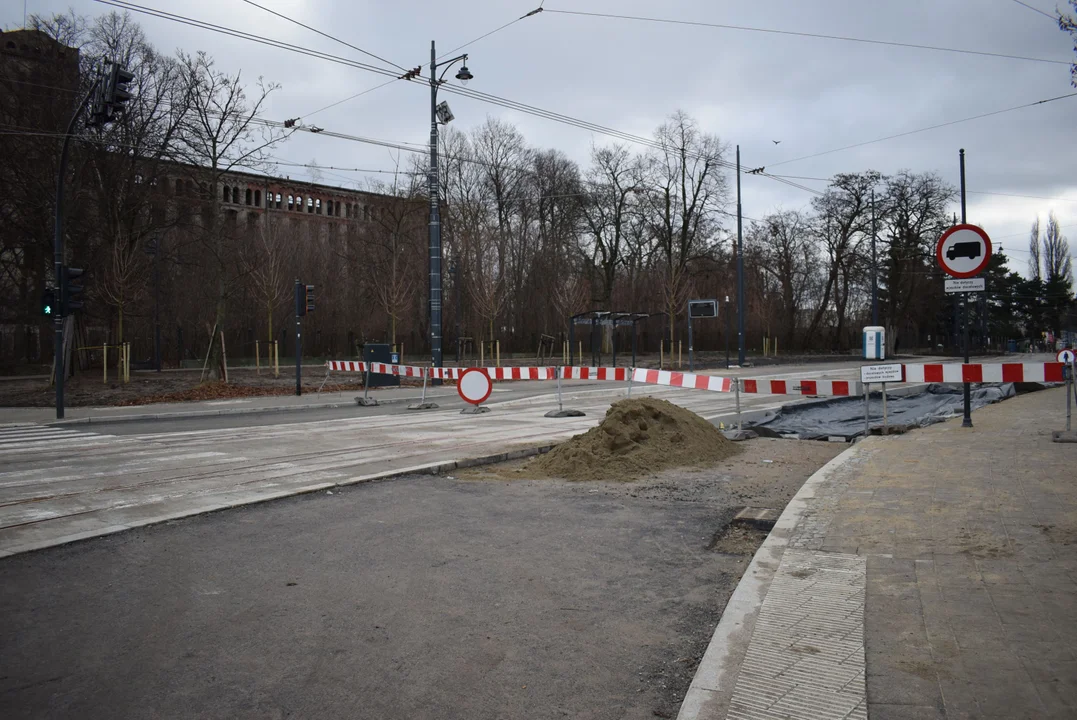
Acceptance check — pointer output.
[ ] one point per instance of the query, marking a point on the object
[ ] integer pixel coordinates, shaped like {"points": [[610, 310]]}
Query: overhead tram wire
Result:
{"points": [[817, 36], [466, 92], [1037, 10], [925, 129], [325, 35], [495, 30]]}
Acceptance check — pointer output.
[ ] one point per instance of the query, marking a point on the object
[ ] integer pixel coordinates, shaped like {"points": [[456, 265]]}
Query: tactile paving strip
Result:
{"points": [[806, 655]]}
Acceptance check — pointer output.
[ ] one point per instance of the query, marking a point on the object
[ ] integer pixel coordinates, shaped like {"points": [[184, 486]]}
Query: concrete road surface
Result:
{"points": [[64, 483]]}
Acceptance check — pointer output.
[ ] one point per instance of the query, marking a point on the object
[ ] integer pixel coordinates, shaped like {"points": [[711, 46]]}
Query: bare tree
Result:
{"points": [[1068, 23], [786, 240], [614, 178], [218, 137], [687, 189]]}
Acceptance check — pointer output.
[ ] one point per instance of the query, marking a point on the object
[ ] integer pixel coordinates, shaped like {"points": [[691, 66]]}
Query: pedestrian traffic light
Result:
{"points": [[48, 302], [310, 298], [71, 291]]}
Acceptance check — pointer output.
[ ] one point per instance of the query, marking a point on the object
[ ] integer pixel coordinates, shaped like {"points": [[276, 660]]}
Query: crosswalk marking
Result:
{"points": [[33, 437]]}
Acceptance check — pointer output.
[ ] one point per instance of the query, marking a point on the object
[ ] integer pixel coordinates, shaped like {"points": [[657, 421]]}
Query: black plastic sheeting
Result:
{"points": [[844, 417]]}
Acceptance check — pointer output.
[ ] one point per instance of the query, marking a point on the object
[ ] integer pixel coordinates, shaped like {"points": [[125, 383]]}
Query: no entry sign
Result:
{"points": [[1065, 356], [963, 251], [474, 386]]}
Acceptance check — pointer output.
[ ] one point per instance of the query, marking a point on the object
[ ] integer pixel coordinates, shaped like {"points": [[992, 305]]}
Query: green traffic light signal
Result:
{"points": [[48, 302]]}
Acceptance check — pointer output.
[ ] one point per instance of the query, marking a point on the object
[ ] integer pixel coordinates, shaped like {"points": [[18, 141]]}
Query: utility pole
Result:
{"points": [[966, 421], [874, 267], [157, 302], [740, 272]]}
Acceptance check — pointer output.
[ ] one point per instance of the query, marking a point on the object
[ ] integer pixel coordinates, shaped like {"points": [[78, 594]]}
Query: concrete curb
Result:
{"points": [[709, 695], [436, 468]]}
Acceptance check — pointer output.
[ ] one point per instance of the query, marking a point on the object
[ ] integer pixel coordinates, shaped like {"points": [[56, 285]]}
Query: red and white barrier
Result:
{"points": [[800, 387], [984, 373], [682, 380], [595, 373]]}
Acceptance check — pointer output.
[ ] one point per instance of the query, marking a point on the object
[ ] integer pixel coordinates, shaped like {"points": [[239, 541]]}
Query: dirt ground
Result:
{"points": [[767, 473], [89, 389]]}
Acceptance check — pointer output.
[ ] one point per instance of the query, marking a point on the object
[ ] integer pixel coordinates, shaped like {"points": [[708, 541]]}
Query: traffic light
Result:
{"points": [[71, 291], [310, 298], [48, 302], [112, 94]]}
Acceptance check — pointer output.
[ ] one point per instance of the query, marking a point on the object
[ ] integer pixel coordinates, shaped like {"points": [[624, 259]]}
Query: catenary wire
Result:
{"points": [[818, 36]]}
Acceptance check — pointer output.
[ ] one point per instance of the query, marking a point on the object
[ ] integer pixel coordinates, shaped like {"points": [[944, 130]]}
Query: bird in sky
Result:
{"points": [[776, 142]]}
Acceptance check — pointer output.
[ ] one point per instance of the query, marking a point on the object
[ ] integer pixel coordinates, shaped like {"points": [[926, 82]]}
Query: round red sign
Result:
{"points": [[474, 386], [963, 251]]}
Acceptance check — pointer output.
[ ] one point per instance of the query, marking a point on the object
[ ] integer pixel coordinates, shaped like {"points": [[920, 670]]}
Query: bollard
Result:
{"points": [[498, 353], [104, 362], [257, 359], [631, 372]]}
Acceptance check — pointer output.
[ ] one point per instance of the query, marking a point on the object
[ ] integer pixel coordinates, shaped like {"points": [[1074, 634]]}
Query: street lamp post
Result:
{"points": [[435, 216]]}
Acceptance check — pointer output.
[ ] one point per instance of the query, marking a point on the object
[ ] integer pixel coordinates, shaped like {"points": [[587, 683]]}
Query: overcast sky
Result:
{"points": [[748, 88]]}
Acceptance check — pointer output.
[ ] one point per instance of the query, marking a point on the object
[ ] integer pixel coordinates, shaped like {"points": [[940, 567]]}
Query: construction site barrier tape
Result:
{"points": [[682, 380], [800, 387], [946, 373], [981, 373]]}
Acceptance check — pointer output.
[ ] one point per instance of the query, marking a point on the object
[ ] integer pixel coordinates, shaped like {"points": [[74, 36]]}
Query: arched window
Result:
{"points": [[227, 194], [318, 206], [249, 194], [291, 203], [366, 212], [347, 210], [278, 201], [258, 198], [338, 208], [310, 204]]}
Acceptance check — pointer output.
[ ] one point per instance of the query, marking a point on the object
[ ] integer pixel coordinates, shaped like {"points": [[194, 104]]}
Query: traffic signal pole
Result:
{"points": [[58, 254], [300, 306]]}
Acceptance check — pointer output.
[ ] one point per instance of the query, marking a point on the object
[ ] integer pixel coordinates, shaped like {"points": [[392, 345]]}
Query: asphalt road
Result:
{"points": [[413, 598]]}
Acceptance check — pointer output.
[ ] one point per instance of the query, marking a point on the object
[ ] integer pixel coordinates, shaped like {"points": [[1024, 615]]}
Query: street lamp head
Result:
{"points": [[464, 74]]}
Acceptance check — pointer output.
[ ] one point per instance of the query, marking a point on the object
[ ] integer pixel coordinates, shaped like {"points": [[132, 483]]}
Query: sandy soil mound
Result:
{"points": [[637, 437]]}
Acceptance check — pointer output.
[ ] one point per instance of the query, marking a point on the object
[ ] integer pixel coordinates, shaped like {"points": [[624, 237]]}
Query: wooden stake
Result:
{"points": [[224, 359], [257, 360]]}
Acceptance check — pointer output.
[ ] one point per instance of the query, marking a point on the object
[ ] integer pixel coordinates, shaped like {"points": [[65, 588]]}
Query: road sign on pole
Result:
{"points": [[474, 386], [963, 251], [1065, 356]]}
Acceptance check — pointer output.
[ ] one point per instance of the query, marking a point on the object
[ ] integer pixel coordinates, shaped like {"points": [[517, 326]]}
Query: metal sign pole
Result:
{"points": [[966, 421], [1069, 396], [886, 428], [736, 389], [867, 409], [560, 405]]}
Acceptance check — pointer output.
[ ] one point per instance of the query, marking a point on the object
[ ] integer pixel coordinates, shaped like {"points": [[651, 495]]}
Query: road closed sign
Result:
{"points": [[963, 251], [881, 373], [474, 386]]}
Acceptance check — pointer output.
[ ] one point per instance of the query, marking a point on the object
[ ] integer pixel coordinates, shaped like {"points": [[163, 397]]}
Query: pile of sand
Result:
{"points": [[637, 437]]}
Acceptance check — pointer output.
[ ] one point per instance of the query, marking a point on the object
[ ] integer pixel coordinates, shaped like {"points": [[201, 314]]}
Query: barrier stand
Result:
{"points": [[560, 412], [423, 404], [631, 373], [365, 400], [327, 371]]}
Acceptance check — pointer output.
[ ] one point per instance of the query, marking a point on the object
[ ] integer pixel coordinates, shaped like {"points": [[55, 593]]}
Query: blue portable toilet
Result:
{"points": [[874, 342]]}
